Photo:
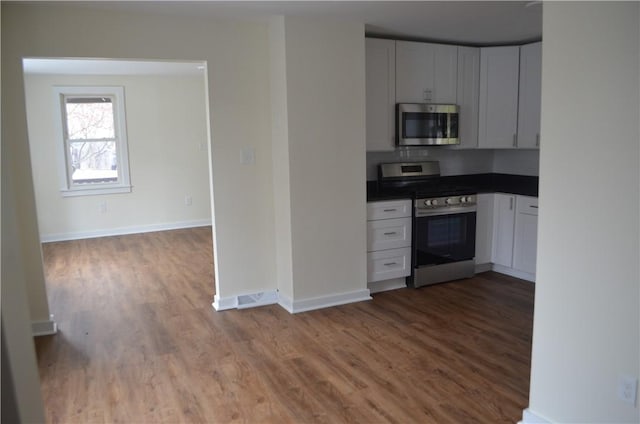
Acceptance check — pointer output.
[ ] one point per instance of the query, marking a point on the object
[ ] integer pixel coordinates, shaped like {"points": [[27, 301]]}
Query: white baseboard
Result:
{"points": [[136, 229], [292, 306], [386, 285], [529, 417], [514, 273], [44, 328], [310, 304], [483, 268], [244, 301]]}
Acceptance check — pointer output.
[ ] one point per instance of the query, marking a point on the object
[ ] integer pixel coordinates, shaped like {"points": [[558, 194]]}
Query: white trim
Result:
{"points": [[224, 303], [483, 268], [45, 238], [285, 302], [96, 190], [44, 328], [386, 285], [529, 417], [514, 272], [310, 304]]}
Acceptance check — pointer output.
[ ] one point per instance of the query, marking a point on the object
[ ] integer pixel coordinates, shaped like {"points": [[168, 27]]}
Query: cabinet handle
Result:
{"points": [[510, 203], [532, 206], [515, 140], [538, 140], [390, 210], [390, 234], [391, 263]]}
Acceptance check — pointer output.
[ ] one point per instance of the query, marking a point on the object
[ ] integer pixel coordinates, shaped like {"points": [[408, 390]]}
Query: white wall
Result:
{"points": [[167, 137], [587, 321], [325, 97], [518, 162], [237, 56]]}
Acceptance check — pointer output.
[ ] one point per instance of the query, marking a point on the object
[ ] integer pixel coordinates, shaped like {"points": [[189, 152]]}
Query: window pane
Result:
{"points": [[89, 118], [93, 162]]}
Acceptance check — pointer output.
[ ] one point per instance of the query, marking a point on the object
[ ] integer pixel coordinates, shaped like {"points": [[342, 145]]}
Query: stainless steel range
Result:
{"points": [[444, 221]]}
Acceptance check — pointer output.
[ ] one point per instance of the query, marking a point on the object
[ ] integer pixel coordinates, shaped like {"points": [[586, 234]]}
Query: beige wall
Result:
{"points": [[167, 137], [237, 56], [326, 135], [587, 323]]}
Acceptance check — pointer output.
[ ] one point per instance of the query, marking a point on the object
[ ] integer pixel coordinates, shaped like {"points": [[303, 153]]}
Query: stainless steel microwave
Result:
{"points": [[422, 124]]}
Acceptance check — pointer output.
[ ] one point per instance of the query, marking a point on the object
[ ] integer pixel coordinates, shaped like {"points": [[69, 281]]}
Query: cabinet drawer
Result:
{"points": [[526, 204], [388, 209], [388, 234], [388, 264]]}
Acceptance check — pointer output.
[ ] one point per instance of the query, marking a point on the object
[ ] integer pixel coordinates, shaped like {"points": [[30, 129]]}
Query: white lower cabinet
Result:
{"points": [[388, 244], [388, 264], [525, 241], [506, 234]]}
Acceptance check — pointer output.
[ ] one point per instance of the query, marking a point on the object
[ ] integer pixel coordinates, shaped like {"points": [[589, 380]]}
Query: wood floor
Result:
{"points": [[140, 343]]}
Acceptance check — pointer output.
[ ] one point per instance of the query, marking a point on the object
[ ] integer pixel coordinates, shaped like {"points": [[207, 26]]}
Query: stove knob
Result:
{"points": [[449, 201], [434, 202], [427, 202], [464, 199]]}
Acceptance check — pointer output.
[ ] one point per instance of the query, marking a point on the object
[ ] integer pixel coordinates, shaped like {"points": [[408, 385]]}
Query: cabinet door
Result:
{"points": [[445, 74], [498, 108], [415, 72], [529, 101], [387, 209], [388, 234], [525, 241], [467, 95], [503, 228], [387, 264], [381, 94], [484, 228]]}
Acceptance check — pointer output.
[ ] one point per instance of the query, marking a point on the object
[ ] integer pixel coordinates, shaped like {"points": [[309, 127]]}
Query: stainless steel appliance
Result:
{"points": [[420, 124], [444, 221]]}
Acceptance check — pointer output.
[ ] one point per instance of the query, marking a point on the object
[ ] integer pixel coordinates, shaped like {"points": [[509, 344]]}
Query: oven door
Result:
{"points": [[443, 237]]}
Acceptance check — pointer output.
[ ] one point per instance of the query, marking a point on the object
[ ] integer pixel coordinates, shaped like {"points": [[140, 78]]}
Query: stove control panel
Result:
{"points": [[446, 202]]}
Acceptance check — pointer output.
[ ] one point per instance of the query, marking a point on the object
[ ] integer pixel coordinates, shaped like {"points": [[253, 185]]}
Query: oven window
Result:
{"points": [[445, 238], [425, 125]]}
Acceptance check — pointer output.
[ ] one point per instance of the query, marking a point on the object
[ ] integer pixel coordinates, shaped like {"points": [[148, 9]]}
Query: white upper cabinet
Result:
{"points": [[467, 95], [381, 94], [426, 73], [530, 90], [498, 107]]}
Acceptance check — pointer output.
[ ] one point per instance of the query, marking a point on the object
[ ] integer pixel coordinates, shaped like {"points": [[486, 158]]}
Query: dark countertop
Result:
{"points": [[480, 183]]}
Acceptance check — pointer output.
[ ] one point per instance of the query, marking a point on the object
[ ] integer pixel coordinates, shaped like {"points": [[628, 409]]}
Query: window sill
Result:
{"points": [[94, 191]]}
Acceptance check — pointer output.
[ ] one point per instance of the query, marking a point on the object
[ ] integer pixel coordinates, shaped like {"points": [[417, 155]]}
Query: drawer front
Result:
{"points": [[526, 204], [388, 209], [388, 234], [388, 264]]}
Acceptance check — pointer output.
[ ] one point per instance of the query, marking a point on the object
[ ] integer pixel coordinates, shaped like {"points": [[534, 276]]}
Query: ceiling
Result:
{"points": [[477, 23]]}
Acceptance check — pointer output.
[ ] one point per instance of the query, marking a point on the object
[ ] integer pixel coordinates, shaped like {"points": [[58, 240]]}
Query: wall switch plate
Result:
{"points": [[628, 389], [188, 200], [247, 156]]}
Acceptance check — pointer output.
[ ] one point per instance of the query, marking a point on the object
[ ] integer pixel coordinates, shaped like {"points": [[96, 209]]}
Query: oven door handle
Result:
{"points": [[445, 211]]}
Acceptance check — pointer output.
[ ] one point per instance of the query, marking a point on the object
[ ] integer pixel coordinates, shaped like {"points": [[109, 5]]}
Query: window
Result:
{"points": [[93, 147]]}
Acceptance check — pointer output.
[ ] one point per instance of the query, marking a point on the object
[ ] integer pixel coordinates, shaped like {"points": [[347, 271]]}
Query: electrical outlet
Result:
{"points": [[188, 200], [103, 207], [627, 389]]}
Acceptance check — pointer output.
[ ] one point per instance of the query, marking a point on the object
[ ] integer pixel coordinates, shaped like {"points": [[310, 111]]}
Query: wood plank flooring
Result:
{"points": [[140, 343]]}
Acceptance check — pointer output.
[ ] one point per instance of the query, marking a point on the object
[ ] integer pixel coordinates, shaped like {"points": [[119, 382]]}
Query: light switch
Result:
{"points": [[247, 156]]}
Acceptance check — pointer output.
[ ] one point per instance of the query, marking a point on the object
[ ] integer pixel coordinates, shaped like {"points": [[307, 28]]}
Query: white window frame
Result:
{"points": [[67, 187]]}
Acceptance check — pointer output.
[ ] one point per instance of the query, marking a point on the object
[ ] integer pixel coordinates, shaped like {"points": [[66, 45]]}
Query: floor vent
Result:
{"points": [[257, 299]]}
